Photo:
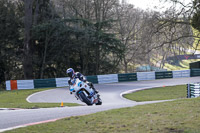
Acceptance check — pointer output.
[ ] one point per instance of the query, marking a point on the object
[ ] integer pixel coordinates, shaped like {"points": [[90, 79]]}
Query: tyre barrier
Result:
{"points": [[193, 90]]}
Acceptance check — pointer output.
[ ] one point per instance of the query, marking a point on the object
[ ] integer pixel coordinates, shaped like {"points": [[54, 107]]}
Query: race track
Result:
{"points": [[110, 95]]}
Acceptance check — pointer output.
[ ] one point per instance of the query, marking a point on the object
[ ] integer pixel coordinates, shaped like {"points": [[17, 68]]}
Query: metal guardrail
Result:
{"points": [[193, 90], [164, 75], [43, 83], [127, 77], [195, 72], [96, 79], [92, 79]]}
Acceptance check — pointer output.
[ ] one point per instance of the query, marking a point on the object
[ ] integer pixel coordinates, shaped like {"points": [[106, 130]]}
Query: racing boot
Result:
{"points": [[96, 91], [92, 86]]}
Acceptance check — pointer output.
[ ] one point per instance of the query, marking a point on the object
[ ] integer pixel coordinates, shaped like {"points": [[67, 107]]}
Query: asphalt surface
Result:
{"points": [[111, 95]]}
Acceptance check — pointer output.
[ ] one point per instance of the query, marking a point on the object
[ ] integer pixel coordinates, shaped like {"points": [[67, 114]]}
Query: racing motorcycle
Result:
{"points": [[84, 92]]}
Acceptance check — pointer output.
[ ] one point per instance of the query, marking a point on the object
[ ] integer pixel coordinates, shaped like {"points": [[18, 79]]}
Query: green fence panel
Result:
{"points": [[43, 83], [92, 79], [194, 72], [127, 77], [164, 75]]}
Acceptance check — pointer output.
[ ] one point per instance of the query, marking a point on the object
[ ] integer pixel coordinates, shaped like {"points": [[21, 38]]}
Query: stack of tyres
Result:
{"points": [[193, 90]]}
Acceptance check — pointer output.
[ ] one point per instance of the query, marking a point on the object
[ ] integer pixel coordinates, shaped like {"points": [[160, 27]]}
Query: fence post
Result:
{"points": [[188, 91]]}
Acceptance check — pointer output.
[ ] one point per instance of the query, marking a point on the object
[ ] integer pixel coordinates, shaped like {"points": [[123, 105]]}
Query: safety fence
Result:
{"points": [[92, 79], [19, 84], [61, 82], [127, 77], [164, 75], [193, 90], [181, 73], [110, 78], [195, 72], [146, 76], [100, 79]]}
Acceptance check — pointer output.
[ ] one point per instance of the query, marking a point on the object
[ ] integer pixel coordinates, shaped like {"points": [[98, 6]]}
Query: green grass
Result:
{"points": [[161, 93], [17, 99], [176, 116]]}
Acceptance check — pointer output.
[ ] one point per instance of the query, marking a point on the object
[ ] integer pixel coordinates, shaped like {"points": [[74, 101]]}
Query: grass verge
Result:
{"points": [[17, 99], [176, 116], [161, 93]]}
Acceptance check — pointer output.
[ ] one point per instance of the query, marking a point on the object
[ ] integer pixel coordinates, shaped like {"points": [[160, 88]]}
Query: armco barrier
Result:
{"points": [[110, 78], [25, 84], [181, 73], [195, 72], [42, 83], [193, 90], [185, 73], [13, 84], [19, 84], [61, 82], [92, 79], [164, 75], [127, 77], [8, 86], [145, 76]]}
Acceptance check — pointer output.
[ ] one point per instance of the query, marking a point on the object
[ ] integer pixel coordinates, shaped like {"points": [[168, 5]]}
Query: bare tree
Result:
{"points": [[129, 27], [172, 34]]}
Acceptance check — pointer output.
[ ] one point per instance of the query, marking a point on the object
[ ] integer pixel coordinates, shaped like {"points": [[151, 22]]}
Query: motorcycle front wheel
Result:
{"points": [[85, 99]]}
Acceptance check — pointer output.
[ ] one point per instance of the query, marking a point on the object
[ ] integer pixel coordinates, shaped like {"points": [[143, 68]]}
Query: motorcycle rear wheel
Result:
{"points": [[99, 101]]}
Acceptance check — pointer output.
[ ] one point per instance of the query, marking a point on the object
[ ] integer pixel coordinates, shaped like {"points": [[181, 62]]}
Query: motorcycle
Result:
{"points": [[84, 92]]}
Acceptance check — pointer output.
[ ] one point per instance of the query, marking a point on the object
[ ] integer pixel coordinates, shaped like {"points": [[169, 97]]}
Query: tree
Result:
{"points": [[36, 12], [131, 23], [196, 16], [28, 44], [93, 25], [9, 41], [189, 12]]}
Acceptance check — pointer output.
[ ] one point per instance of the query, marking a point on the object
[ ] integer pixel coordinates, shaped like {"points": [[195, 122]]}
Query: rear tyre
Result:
{"points": [[99, 101], [85, 99]]}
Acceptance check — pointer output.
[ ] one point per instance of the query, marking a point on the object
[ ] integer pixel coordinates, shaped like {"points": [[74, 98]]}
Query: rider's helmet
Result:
{"points": [[70, 72]]}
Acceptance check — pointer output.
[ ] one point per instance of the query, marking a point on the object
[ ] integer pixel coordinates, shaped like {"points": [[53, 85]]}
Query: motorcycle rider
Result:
{"points": [[71, 73]]}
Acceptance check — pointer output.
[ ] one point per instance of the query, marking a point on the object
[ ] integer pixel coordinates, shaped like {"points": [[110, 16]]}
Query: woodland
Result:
{"points": [[42, 38]]}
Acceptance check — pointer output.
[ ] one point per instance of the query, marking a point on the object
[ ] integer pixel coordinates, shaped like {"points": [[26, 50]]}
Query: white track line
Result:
{"points": [[27, 99]]}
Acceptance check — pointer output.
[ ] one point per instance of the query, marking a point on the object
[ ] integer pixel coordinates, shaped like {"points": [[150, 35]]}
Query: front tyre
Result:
{"points": [[85, 99]]}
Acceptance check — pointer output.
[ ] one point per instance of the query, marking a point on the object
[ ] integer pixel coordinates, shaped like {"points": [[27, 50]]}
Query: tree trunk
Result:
{"points": [[97, 59], [125, 65], [44, 56], [28, 48]]}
